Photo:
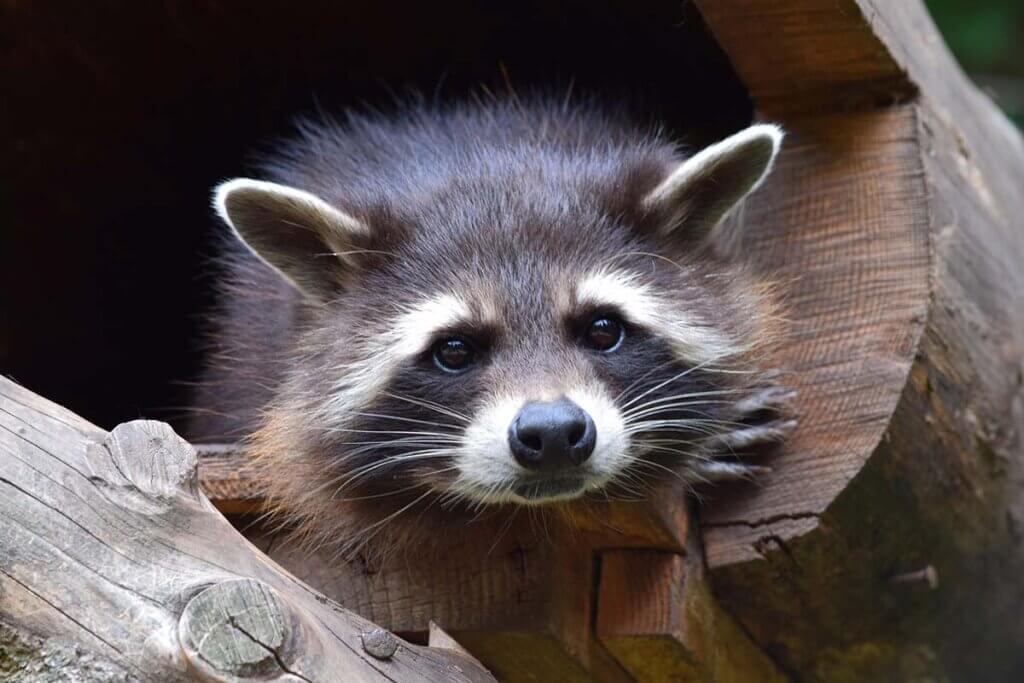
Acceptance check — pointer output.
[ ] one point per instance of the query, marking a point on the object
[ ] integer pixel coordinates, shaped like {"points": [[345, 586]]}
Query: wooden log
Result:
{"points": [[934, 486], [115, 566]]}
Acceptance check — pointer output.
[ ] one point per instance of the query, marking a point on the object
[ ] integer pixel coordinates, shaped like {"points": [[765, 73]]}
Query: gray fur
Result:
{"points": [[503, 204]]}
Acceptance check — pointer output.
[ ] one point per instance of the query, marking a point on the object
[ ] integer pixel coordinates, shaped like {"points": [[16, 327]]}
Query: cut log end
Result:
{"points": [[152, 458], [239, 628]]}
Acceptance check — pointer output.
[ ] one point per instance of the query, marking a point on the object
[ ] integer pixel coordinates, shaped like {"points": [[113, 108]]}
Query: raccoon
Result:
{"points": [[489, 306]]}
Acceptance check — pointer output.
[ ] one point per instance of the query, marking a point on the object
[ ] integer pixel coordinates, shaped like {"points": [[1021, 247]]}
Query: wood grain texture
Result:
{"points": [[520, 600], [106, 541], [809, 56], [657, 617], [843, 226], [944, 489]]}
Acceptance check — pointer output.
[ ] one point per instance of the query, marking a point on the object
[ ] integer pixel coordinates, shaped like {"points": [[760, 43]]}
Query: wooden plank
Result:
{"points": [[805, 56], [657, 617], [520, 598]]}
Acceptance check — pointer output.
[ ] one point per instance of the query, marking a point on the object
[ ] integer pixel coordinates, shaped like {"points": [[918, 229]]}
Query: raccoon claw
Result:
{"points": [[759, 426], [721, 470], [773, 399], [745, 438]]}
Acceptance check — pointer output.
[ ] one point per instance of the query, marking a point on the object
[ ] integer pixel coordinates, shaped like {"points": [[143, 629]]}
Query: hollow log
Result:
{"points": [[115, 566], [901, 558], [885, 544]]}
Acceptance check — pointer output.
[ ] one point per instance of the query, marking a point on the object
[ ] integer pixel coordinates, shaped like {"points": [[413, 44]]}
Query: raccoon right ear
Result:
{"points": [[296, 233], [699, 193]]}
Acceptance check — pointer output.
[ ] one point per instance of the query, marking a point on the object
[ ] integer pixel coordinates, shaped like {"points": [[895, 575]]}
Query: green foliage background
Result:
{"points": [[987, 36]]}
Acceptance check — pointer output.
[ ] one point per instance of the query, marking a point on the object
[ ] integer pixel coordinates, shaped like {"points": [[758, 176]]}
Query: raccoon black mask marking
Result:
{"points": [[492, 304]]}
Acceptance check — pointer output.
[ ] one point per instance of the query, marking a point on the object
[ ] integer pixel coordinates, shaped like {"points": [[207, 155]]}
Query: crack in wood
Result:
{"points": [[273, 651]]}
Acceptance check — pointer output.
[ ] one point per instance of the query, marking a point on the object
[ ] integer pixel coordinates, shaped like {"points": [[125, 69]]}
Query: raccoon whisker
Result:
{"points": [[639, 379], [661, 384], [648, 409], [386, 431], [368, 532], [407, 438], [694, 425], [683, 423], [351, 477], [633, 494], [401, 440], [480, 508], [643, 463], [504, 529], [378, 495], [423, 403], [474, 496], [343, 479], [676, 397], [391, 448], [670, 418], [671, 412], [382, 448], [412, 487], [686, 395], [658, 385], [405, 419], [352, 252], [647, 254], [666, 445], [630, 483]]}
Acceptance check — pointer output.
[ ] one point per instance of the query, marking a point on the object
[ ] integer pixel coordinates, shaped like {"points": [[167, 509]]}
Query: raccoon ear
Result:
{"points": [[699, 194], [296, 233]]}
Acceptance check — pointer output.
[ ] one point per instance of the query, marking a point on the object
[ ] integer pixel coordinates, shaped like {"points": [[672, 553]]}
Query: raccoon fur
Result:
{"points": [[488, 306]]}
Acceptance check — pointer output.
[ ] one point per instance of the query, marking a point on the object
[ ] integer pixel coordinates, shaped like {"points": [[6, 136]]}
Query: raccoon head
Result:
{"points": [[530, 331]]}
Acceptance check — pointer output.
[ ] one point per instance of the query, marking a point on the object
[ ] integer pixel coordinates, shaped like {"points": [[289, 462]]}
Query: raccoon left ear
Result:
{"points": [[701, 191], [302, 237]]}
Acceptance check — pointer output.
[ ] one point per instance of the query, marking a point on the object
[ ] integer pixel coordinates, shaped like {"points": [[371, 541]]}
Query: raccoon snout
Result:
{"points": [[552, 435]]}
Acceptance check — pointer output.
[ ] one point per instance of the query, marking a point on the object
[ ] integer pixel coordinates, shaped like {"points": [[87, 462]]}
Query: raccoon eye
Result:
{"points": [[604, 334], [453, 354]]}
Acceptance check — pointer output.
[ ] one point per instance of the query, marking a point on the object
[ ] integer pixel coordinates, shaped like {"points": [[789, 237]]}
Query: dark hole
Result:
{"points": [[118, 118]]}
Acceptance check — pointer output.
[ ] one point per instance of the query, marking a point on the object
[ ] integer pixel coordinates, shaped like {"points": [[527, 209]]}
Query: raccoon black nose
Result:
{"points": [[550, 436]]}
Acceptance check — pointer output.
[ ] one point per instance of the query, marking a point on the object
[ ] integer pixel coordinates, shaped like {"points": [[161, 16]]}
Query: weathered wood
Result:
{"points": [[842, 224], [110, 552], [657, 617], [944, 488], [521, 597]]}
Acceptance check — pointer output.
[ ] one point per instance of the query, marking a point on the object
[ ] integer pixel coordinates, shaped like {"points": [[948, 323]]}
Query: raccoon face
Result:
{"points": [[524, 335]]}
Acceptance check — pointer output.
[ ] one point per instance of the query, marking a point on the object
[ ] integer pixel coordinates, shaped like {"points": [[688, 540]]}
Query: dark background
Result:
{"points": [[987, 36], [118, 117]]}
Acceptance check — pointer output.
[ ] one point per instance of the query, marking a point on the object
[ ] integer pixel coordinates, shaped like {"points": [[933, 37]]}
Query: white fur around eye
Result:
{"points": [[691, 339]]}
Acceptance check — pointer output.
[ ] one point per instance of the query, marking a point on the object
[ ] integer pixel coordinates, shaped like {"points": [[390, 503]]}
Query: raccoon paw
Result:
{"points": [[758, 426]]}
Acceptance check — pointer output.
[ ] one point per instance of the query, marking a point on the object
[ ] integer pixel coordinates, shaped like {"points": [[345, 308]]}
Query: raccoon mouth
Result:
{"points": [[549, 490]]}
